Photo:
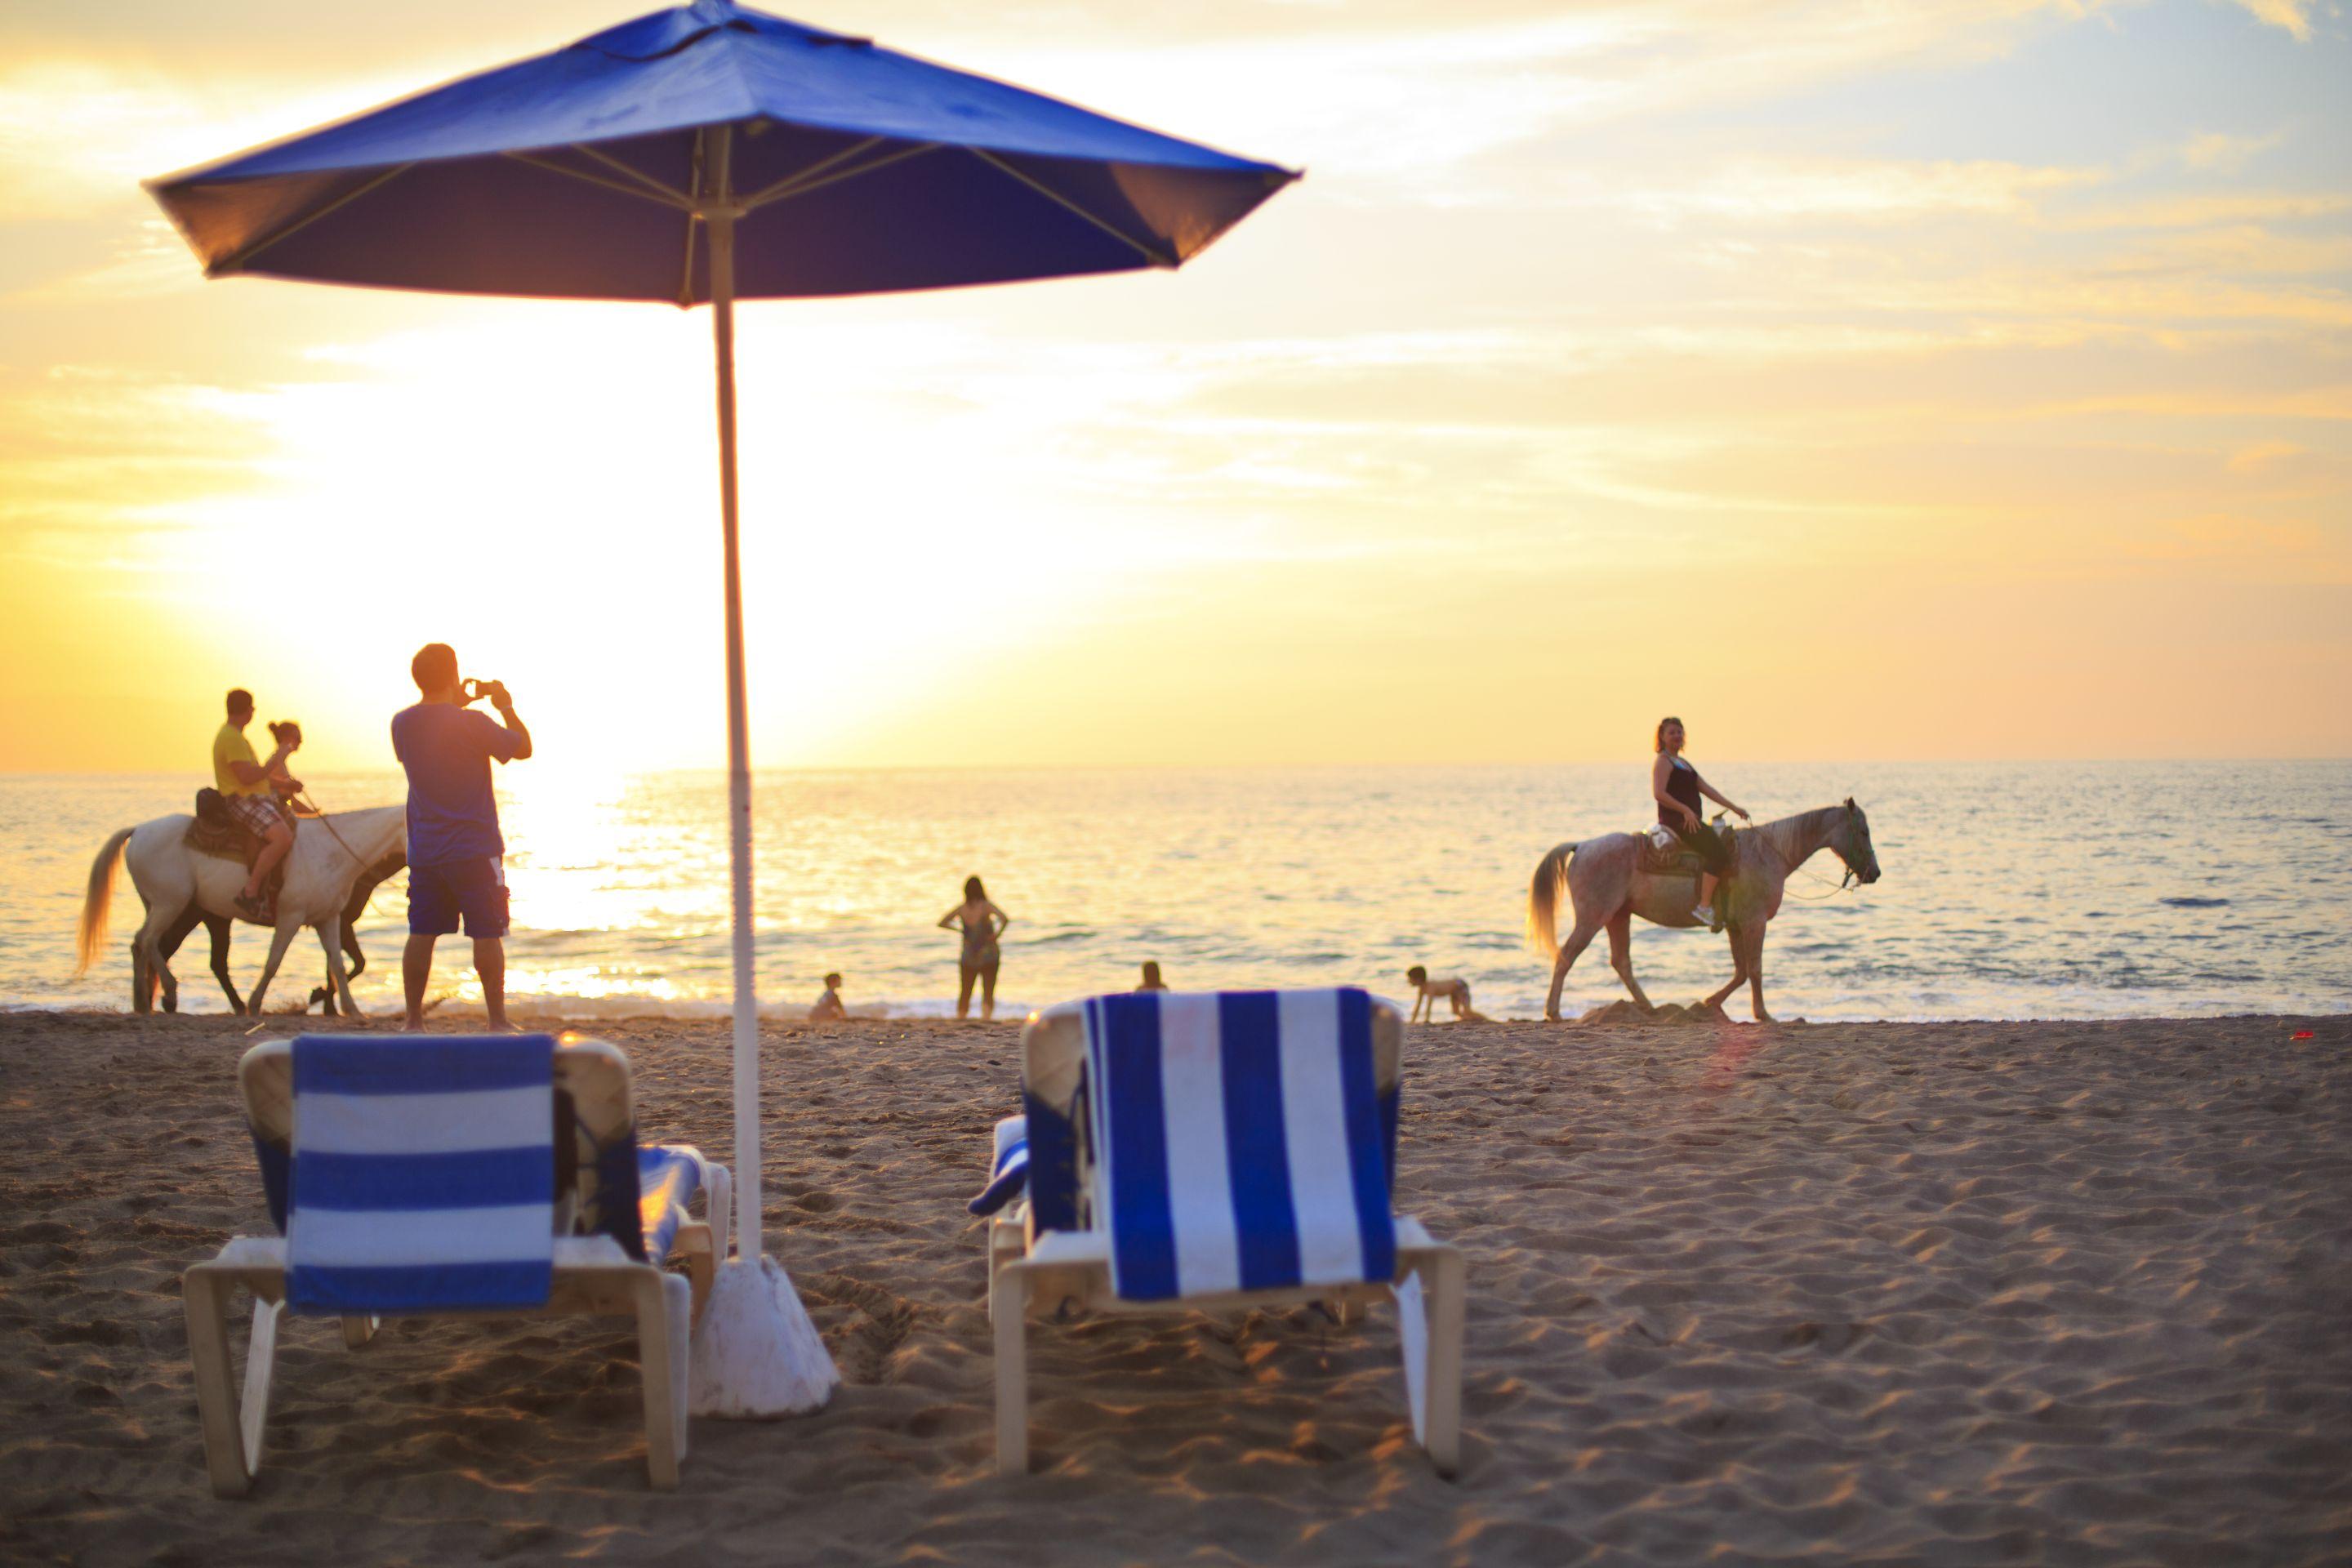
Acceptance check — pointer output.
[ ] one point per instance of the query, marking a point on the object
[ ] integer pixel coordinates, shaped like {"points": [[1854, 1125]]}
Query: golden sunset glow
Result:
{"points": [[1966, 379]]}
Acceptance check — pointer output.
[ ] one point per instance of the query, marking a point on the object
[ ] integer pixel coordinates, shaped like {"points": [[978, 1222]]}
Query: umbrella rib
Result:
{"points": [[784, 186], [686, 278], [669, 194], [647, 191], [1157, 258], [589, 179], [802, 184], [234, 262], [693, 219]]}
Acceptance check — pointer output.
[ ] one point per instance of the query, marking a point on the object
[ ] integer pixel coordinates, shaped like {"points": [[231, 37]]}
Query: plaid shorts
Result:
{"points": [[257, 813]]}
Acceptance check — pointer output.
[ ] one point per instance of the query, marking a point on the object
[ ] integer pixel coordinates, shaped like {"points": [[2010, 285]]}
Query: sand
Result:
{"points": [[1956, 1294]]}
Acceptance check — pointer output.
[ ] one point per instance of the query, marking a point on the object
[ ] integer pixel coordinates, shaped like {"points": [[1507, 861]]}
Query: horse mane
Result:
{"points": [[1787, 834]]}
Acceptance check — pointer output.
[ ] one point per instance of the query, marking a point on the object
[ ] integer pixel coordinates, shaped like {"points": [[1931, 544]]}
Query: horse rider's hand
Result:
{"points": [[1692, 817], [1741, 812], [293, 785]]}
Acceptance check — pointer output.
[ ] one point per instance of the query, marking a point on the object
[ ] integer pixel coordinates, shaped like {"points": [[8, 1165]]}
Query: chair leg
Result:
{"points": [[701, 1265], [203, 1300], [1442, 1277], [1008, 1305], [720, 1208], [681, 1354], [657, 1360], [358, 1331], [1005, 1241], [261, 1368]]}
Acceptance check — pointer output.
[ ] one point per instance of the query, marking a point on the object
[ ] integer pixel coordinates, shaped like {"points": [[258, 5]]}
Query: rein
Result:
{"points": [[1791, 868], [328, 823]]}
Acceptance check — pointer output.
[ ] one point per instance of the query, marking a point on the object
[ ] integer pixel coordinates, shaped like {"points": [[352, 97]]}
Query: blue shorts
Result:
{"points": [[476, 889]]}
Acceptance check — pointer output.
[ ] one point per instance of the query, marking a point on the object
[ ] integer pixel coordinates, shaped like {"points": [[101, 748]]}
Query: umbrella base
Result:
{"points": [[756, 1353]]}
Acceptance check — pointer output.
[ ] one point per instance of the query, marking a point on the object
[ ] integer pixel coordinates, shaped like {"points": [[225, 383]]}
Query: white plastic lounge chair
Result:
{"points": [[420, 1175], [1215, 1151]]}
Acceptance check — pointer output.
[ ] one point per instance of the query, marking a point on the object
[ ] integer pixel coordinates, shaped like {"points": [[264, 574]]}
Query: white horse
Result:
{"points": [[329, 854]]}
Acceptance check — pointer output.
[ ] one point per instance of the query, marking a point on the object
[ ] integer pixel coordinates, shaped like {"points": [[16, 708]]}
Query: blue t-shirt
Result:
{"points": [[446, 749]]}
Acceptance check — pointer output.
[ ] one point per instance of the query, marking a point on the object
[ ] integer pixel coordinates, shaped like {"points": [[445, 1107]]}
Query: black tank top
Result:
{"points": [[1681, 783]]}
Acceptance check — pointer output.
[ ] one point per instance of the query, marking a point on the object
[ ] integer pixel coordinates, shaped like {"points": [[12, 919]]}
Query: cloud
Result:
{"points": [[2220, 153], [2295, 15], [1879, 190], [1406, 109], [2253, 460], [2205, 209]]}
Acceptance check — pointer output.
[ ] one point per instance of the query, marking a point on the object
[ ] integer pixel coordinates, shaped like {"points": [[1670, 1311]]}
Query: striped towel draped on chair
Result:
{"points": [[424, 1174], [1241, 1142]]}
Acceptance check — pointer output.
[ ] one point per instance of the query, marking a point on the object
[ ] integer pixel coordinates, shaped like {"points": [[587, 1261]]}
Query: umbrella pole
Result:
{"points": [[756, 1353], [721, 226]]}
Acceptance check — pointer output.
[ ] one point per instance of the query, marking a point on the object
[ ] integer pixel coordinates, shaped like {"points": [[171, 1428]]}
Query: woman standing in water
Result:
{"points": [[1677, 787], [983, 922]]}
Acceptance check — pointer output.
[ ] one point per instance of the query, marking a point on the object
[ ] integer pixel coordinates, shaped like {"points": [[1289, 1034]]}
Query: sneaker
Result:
{"points": [[1705, 915]]}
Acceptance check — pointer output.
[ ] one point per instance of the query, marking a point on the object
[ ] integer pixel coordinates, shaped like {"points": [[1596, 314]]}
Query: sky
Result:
{"points": [[1950, 378]]}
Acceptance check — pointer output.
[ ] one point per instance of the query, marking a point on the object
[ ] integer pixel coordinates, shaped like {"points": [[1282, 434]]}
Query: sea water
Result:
{"points": [[2010, 890]]}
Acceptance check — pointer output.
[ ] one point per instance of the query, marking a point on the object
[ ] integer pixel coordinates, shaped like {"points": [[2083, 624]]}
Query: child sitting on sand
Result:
{"points": [[1454, 990], [827, 1009]]}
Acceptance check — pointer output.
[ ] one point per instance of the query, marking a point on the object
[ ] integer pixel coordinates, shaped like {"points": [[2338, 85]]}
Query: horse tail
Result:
{"points": [[1543, 900], [98, 903]]}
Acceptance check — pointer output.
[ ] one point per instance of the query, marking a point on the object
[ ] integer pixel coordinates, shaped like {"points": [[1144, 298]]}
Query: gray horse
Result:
{"points": [[143, 981], [1606, 887]]}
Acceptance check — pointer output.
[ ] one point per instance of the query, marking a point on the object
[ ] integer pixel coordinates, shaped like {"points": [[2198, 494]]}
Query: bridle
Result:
{"points": [[1846, 884], [328, 823]]}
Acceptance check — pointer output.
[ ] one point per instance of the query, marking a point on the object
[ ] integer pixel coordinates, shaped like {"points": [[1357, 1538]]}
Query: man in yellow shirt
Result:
{"points": [[245, 783]]}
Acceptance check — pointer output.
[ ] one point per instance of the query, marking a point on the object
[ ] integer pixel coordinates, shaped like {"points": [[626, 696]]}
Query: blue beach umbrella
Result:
{"points": [[700, 155]]}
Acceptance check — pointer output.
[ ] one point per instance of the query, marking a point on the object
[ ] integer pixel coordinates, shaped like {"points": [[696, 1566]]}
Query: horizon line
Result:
{"points": [[761, 769]]}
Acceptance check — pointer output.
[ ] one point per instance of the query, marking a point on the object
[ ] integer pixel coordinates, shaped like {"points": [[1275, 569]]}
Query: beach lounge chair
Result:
{"points": [[424, 1175], [1215, 1151]]}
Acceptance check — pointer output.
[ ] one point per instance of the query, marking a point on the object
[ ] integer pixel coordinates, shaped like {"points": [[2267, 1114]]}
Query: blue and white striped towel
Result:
{"points": [[1240, 1139], [424, 1174], [1009, 1171]]}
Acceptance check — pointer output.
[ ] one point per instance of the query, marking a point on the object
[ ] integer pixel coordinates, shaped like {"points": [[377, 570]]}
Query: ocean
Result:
{"points": [[2010, 890]]}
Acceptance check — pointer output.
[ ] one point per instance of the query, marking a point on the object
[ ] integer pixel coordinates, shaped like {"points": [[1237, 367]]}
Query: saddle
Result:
{"points": [[216, 832], [1672, 859]]}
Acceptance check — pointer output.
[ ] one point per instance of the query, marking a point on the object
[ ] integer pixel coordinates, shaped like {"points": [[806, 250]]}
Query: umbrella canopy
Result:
{"points": [[855, 170], [707, 153]]}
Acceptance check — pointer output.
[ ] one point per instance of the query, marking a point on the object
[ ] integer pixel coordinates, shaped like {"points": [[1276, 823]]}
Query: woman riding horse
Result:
{"points": [[1677, 787]]}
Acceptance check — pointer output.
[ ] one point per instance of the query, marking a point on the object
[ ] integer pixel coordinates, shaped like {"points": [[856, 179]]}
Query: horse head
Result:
{"points": [[1851, 840]]}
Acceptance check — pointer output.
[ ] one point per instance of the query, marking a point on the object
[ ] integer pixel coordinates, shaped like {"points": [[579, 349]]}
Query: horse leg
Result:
{"points": [[1714, 1003], [167, 945], [1569, 952], [1620, 956], [330, 930], [280, 940], [151, 960], [1755, 972], [217, 926]]}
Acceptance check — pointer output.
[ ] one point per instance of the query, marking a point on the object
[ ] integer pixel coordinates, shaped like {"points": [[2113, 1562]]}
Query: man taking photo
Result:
{"points": [[455, 849]]}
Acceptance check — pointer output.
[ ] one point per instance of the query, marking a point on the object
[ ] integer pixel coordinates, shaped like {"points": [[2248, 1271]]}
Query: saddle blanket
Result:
{"points": [[215, 830], [1670, 860]]}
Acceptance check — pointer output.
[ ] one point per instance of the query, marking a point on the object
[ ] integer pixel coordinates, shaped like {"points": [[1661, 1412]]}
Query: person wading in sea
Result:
{"points": [[1677, 787], [982, 923]]}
